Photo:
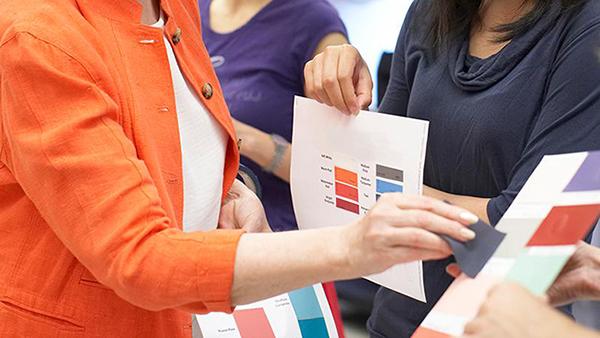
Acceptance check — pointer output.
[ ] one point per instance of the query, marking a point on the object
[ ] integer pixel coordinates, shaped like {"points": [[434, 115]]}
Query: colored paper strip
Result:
{"points": [[305, 303], [520, 231], [566, 225], [253, 323], [346, 191], [587, 177], [346, 176], [348, 206], [472, 256], [386, 187], [537, 272], [423, 332], [389, 173], [463, 297], [313, 328]]}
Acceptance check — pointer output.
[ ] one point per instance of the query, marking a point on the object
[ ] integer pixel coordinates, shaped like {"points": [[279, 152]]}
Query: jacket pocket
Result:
{"points": [[88, 279], [31, 314]]}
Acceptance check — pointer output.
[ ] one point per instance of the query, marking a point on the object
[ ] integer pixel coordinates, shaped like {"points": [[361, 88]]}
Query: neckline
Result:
{"points": [[484, 73], [160, 23], [208, 19]]}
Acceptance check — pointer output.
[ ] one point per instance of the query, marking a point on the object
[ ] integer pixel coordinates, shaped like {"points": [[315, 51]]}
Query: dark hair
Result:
{"points": [[449, 19]]}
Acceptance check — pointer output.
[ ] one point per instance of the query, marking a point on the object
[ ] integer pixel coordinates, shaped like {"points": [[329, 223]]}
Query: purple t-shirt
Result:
{"points": [[261, 66]]}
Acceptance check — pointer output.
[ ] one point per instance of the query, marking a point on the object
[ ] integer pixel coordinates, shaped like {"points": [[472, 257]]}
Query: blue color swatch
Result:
{"points": [[386, 187]]}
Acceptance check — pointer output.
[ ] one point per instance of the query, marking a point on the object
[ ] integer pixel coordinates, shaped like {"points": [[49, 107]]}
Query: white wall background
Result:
{"points": [[373, 26]]}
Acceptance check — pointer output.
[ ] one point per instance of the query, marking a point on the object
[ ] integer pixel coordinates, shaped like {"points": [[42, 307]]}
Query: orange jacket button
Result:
{"points": [[207, 91], [176, 36]]}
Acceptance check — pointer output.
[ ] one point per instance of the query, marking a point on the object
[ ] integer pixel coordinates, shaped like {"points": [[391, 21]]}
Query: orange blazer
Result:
{"points": [[90, 173]]}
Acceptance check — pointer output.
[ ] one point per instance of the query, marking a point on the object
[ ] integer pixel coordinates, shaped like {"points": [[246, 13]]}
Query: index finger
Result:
{"points": [[435, 206]]}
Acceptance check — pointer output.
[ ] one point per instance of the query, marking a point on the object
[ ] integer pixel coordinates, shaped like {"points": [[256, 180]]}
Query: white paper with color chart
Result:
{"points": [[342, 164]]}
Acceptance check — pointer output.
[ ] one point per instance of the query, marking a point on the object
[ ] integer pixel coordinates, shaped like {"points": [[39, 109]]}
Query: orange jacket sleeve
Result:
{"points": [[64, 145]]}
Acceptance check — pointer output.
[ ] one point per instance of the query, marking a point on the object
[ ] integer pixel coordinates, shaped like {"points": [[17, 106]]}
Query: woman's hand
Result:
{"points": [[402, 228], [510, 311], [242, 209], [339, 77], [579, 279]]}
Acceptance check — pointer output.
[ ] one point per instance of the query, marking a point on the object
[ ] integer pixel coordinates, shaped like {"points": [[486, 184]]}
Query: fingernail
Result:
{"points": [[467, 234], [469, 217]]}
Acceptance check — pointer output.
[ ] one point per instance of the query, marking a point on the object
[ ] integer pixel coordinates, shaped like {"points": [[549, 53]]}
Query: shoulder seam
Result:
{"points": [[55, 46]]}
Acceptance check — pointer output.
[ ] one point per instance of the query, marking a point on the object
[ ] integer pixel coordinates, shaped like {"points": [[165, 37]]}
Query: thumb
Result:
{"points": [[364, 86]]}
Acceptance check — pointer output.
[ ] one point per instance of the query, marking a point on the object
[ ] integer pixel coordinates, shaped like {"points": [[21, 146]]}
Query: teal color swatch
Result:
{"points": [[313, 328]]}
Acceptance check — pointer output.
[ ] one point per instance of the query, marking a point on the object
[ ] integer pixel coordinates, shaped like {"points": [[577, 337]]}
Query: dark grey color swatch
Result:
{"points": [[390, 173], [472, 256]]}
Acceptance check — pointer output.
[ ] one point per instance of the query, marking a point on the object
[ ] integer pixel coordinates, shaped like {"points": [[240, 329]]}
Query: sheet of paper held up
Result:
{"points": [[342, 164]]}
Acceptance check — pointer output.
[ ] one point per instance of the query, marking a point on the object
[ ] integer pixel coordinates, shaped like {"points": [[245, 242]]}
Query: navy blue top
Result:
{"points": [[261, 68], [492, 121]]}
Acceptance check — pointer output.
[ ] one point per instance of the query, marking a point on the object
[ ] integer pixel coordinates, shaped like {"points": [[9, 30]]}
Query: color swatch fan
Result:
{"points": [[303, 313], [556, 208]]}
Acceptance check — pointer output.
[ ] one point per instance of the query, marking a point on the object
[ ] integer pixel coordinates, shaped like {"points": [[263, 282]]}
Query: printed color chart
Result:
{"points": [[339, 169], [387, 180]]}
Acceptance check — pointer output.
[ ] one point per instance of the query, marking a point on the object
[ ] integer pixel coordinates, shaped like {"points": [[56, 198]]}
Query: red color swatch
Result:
{"points": [[342, 204], [253, 323], [346, 191], [423, 332], [566, 225]]}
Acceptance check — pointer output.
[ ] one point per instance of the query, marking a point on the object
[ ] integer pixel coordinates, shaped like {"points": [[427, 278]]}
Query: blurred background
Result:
{"points": [[373, 27]]}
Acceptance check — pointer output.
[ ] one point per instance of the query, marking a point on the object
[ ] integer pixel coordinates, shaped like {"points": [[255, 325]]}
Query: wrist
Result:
{"points": [[277, 159], [338, 242], [257, 146]]}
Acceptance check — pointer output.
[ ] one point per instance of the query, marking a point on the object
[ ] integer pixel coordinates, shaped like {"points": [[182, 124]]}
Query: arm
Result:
{"points": [[258, 145], [476, 205], [392, 232], [69, 154]]}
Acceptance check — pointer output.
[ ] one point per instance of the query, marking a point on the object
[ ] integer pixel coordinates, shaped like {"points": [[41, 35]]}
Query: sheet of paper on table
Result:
{"points": [[555, 209], [303, 313], [342, 164]]}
